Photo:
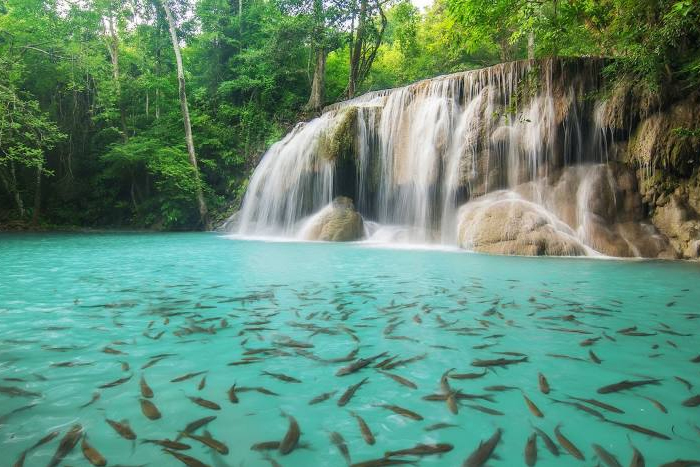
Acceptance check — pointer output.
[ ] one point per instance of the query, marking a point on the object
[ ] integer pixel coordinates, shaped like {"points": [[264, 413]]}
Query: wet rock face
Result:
{"points": [[502, 223], [337, 222], [680, 223]]}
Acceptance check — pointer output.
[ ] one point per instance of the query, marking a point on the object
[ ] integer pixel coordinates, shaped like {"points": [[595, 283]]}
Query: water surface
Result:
{"points": [[207, 301]]}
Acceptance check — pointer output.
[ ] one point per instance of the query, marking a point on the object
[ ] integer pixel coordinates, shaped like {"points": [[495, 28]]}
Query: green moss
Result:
{"points": [[339, 142]]}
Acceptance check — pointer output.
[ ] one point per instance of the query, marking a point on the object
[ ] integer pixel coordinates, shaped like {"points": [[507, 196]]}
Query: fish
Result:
{"points": [[467, 375], [66, 445], [382, 462], [605, 456], [187, 376], [364, 429], [358, 365], [439, 426], [692, 401], [291, 438], [204, 403], [549, 444], [95, 397], [14, 391], [92, 454], [146, 390], [232, 395], [498, 362], [486, 410], [189, 461], [484, 451], [281, 377], [568, 445], [339, 441], [149, 409], [405, 362], [401, 411], [687, 383], [639, 429], [533, 408], [681, 463], [116, 382], [400, 379], [582, 407], [594, 357], [657, 404], [322, 397], [122, 428], [195, 425], [349, 392], [422, 450], [625, 385], [166, 443], [208, 441], [637, 458], [597, 403], [202, 383], [531, 450], [499, 388], [109, 350], [544, 385]]}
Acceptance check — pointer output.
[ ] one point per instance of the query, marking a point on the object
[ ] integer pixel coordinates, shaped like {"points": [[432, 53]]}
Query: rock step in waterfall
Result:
{"points": [[519, 158]]}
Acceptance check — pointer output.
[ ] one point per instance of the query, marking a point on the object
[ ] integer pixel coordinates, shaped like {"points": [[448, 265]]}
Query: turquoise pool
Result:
{"points": [[83, 315]]}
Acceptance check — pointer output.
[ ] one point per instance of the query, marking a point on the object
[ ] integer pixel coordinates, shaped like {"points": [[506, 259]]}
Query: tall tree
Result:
{"points": [[203, 211]]}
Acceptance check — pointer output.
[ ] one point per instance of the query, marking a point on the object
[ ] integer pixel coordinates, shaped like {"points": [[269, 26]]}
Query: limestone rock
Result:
{"points": [[504, 223], [337, 222]]}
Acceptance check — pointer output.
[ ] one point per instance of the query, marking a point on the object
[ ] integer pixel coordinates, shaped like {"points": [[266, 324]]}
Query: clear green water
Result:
{"points": [[67, 297]]}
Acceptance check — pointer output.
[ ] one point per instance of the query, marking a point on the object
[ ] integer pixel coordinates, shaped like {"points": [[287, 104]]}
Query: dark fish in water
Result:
{"points": [[467, 375], [149, 409], [440, 426], [692, 401], [544, 385], [364, 429], [637, 458], [202, 383], [185, 459], [486, 410], [639, 429], [568, 445], [588, 342], [291, 438], [265, 446], [349, 392], [401, 411], [146, 390], [400, 380], [533, 408], [196, 425], [14, 391], [382, 462], [281, 377], [498, 362], [95, 397], [66, 445], [626, 384], [339, 441], [92, 454], [166, 443], [568, 357], [208, 441], [187, 376], [122, 428], [499, 388], [259, 389], [125, 366], [605, 456], [322, 397], [695, 359], [594, 357], [445, 383], [112, 351], [549, 444], [582, 407], [657, 404], [405, 362], [421, 450], [597, 403], [232, 395], [358, 365], [484, 451], [687, 383], [205, 403], [531, 450], [681, 463], [115, 382]]}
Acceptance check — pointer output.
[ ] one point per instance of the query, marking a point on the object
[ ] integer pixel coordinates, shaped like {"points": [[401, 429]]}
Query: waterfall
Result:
{"points": [[411, 157]]}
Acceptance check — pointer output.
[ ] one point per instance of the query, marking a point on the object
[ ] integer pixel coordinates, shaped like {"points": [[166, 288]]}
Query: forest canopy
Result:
{"points": [[96, 107]]}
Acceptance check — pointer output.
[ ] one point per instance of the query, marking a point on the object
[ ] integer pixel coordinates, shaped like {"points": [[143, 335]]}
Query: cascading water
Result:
{"points": [[411, 157]]}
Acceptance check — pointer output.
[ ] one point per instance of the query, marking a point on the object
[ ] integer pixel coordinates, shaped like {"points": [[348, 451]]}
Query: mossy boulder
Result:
{"points": [[337, 222], [338, 142]]}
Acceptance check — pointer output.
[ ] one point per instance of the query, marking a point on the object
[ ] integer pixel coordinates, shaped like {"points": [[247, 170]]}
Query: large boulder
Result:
{"points": [[504, 223], [337, 222]]}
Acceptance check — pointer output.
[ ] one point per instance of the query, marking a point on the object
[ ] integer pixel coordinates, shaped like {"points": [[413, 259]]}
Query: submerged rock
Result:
{"points": [[337, 222], [504, 223]]}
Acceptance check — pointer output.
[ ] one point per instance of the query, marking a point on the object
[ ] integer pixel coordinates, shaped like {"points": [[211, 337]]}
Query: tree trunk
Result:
{"points": [[531, 46], [356, 50], [37, 197], [113, 47], [318, 85], [203, 213]]}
